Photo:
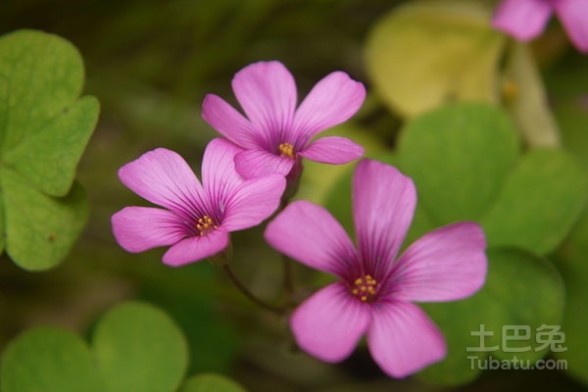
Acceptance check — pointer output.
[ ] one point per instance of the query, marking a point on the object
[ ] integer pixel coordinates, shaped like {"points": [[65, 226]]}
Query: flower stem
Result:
{"points": [[252, 297]]}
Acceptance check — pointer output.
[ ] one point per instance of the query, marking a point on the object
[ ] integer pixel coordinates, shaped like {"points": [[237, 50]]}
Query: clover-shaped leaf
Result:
{"points": [[463, 159], [50, 360], [136, 347], [45, 128], [459, 157], [540, 202], [427, 53]]}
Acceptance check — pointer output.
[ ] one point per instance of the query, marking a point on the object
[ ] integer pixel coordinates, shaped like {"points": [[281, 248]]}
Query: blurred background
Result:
{"points": [[150, 63]]}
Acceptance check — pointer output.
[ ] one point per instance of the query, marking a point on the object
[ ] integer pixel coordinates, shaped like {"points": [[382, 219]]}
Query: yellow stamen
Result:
{"points": [[286, 150], [365, 288], [205, 225]]}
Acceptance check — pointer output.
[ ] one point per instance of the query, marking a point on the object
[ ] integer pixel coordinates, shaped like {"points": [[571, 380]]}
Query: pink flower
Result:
{"points": [[275, 135], [526, 19], [196, 218], [376, 289]]}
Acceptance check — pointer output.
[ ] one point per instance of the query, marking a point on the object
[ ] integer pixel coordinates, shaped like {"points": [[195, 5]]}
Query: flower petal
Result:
{"points": [[309, 234], [402, 339], [267, 92], [219, 177], [259, 163], [254, 202], [193, 249], [329, 324], [383, 206], [333, 100], [137, 229], [443, 265], [163, 177], [333, 149], [228, 121], [574, 16], [522, 19]]}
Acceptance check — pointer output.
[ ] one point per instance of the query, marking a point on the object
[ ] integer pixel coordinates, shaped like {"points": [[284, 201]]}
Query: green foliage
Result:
{"points": [[49, 360], [138, 347], [211, 383], [135, 347], [540, 202], [459, 157], [427, 53], [45, 128]]}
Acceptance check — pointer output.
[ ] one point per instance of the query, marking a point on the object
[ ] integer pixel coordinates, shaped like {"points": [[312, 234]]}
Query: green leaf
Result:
{"points": [[567, 89], [522, 290], [44, 129], [211, 383], [43, 74], [458, 156], [139, 348], [41, 229], [48, 360], [48, 159], [540, 202], [528, 101], [574, 270], [427, 53]]}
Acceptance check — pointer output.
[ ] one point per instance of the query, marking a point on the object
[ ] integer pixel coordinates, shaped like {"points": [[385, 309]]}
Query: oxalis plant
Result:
{"points": [[460, 248]]}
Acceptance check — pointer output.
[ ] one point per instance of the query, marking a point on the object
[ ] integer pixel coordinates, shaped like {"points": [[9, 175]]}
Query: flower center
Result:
{"points": [[365, 288], [205, 225], [286, 150]]}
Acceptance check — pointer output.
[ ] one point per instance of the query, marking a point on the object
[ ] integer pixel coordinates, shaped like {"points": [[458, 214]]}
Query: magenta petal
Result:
{"points": [[333, 149], [309, 234], [254, 202], [267, 93], [383, 206], [259, 163], [329, 324], [219, 177], [333, 100], [443, 265], [137, 229], [163, 177], [403, 340], [574, 16], [522, 19], [193, 249], [228, 121]]}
